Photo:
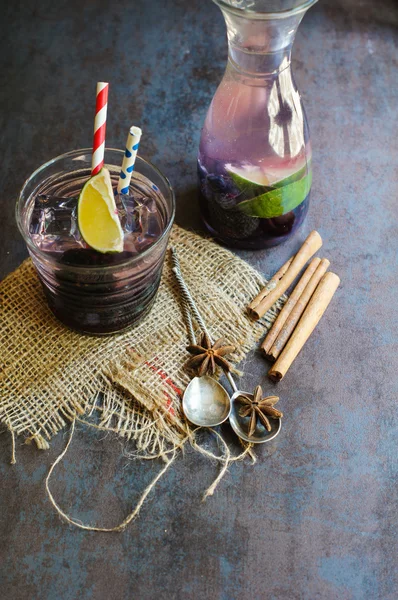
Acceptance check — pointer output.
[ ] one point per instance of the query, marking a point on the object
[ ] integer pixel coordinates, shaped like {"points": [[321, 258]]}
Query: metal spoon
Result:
{"points": [[241, 424], [192, 403], [200, 400], [205, 401]]}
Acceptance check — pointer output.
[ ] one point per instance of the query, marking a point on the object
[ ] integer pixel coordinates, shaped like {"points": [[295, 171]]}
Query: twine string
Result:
{"points": [[13, 457], [130, 516]]}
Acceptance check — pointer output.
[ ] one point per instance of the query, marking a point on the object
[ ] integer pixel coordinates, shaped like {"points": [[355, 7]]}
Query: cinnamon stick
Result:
{"points": [[292, 320], [289, 305], [271, 284], [307, 250], [309, 320]]}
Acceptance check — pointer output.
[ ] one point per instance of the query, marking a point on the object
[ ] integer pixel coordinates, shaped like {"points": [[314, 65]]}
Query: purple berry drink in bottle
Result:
{"points": [[254, 162]]}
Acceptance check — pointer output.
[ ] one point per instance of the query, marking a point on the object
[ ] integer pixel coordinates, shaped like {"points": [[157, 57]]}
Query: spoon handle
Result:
{"points": [[187, 299], [231, 381], [189, 307], [186, 311]]}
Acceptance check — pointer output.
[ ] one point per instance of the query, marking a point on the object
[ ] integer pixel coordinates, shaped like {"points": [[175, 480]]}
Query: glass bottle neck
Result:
{"points": [[259, 47], [255, 64]]}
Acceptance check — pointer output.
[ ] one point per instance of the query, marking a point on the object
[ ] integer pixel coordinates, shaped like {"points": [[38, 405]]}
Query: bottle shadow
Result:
{"points": [[187, 209]]}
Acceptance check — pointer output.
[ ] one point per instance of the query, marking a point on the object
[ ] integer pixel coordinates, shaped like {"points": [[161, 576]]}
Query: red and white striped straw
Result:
{"points": [[101, 106]]}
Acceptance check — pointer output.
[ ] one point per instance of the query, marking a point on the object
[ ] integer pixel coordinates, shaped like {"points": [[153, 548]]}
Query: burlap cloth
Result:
{"points": [[130, 383]]}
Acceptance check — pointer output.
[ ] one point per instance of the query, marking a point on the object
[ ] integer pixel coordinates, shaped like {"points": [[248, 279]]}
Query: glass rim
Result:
{"points": [[253, 14], [101, 268]]}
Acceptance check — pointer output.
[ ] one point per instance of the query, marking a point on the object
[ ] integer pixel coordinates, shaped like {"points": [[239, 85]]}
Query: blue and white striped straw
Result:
{"points": [[133, 141]]}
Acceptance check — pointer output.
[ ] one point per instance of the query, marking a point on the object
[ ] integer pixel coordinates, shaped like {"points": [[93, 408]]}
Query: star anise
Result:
{"points": [[259, 408], [207, 356]]}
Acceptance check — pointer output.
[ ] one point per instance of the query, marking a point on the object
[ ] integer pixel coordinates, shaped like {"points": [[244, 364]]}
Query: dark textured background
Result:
{"points": [[316, 516]]}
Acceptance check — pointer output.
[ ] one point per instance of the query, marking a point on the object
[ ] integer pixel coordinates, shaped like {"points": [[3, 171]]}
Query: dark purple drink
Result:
{"points": [[220, 203], [87, 290]]}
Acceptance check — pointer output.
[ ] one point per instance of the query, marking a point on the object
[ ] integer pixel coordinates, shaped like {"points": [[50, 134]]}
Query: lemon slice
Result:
{"points": [[97, 216]]}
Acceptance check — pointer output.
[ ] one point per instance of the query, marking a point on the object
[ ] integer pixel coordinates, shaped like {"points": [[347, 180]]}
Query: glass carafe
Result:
{"points": [[254, 161]]}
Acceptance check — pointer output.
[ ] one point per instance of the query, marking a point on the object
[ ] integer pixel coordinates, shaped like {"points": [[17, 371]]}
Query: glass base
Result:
{"points": [[96, 314], [101, 329]]}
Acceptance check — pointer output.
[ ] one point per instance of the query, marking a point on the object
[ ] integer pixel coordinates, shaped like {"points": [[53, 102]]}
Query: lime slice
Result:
{"points": [[253, 181], [293, 177], [248, 175], [249, 180], [278, 201], [97, 216]]}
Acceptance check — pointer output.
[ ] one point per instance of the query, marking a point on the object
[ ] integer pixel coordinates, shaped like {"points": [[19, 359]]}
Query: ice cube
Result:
{"points": [[149, 220], [58, 202], [53, 224], [126, 205], [143, 224]]}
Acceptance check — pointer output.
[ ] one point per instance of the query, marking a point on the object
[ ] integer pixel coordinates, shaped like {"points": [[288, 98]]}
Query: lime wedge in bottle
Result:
{"points": [[269, 195], [278, 201], [250, 180]]}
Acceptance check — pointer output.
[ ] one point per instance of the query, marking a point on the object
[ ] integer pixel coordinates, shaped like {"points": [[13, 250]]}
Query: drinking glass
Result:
{"points": [[86, 290]]}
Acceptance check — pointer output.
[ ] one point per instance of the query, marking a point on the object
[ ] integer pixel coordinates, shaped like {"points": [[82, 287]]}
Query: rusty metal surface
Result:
{"points": [[316, 516]]}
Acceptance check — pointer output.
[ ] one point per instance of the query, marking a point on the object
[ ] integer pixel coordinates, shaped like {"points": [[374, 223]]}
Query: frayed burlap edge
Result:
{"points": [[130, 383]]}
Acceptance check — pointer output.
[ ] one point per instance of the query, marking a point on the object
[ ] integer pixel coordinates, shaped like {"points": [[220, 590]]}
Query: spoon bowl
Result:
{"points": [[205, 402], [240, 425]]}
